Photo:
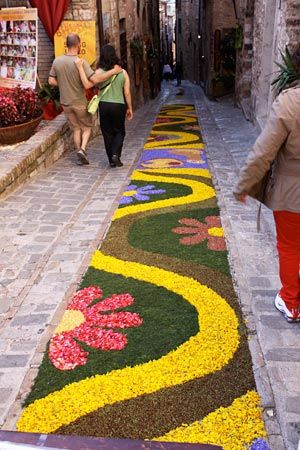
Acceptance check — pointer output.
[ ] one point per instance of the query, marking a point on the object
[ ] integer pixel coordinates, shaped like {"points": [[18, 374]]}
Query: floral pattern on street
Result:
{"points": [[197, 232], [139, 193], [83, 321]]}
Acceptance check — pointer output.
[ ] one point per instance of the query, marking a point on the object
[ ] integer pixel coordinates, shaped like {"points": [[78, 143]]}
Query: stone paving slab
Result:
{"points": [[48, 230]]}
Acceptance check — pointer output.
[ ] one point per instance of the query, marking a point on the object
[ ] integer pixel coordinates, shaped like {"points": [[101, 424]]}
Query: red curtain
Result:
{"points": [[51, 13]]}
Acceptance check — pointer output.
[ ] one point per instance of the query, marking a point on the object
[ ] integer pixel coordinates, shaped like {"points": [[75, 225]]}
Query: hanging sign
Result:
{"points": [[86, 30], [18, 47]]}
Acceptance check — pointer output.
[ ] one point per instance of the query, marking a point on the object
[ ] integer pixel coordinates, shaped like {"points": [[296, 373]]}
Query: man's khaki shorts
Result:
{"points": [[78, 116]]}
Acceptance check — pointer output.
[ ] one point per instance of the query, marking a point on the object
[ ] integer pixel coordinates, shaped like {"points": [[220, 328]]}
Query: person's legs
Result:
{"points": [[119, 114], [82, 123], [106, 128], [77, 138], [288, 245], [86, 133]]}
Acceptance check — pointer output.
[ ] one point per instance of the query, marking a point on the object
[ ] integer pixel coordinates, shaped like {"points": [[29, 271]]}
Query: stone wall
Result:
{"points": [[38, 153], [223, 14], [199, 21], [273, 25], [188, 40]]}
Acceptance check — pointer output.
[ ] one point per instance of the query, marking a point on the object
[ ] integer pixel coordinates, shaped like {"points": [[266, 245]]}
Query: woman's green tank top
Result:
{"points": [[115, 92]]}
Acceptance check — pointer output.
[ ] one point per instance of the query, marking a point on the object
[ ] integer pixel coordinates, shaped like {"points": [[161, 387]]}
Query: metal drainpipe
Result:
{"points": [[235, 10], [100, 23]]}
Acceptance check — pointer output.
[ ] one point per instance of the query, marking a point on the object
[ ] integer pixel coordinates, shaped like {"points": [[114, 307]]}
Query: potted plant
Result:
{"points": [[287, 74], [50, 101], [137, 54], [20, 114]]}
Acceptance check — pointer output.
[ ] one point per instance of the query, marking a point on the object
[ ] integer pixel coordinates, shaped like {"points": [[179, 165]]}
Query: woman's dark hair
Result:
{"points": [[296, 60], [108, 58]]}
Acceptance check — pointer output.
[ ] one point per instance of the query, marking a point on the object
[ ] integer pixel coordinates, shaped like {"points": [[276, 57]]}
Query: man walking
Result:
{"points": [[64, 74]]}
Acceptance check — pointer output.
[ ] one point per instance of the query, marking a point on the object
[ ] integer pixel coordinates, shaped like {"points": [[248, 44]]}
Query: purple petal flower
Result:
{"points": [[126, 200], [141, 197], [139, 193], [260, 444]]}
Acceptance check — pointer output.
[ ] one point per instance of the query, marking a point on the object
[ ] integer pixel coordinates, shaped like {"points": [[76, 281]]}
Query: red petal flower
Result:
{"points": [[65, 353], [122, 319], [84, 297], [99, 338]]}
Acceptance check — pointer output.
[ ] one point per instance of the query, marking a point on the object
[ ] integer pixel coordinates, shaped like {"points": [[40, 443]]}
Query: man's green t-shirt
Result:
{"points": [[70, 86]]}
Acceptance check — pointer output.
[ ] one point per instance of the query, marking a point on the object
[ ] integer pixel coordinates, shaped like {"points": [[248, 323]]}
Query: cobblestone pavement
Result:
{"points": [[50, 227], [274, 343], [48, 231]]}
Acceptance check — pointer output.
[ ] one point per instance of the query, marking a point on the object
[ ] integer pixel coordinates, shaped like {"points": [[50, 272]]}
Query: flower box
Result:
{"points": [[18, 133]]}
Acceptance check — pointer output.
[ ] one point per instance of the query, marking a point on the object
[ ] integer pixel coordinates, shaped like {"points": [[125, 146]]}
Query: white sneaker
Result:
{"points": [[291, 315]]}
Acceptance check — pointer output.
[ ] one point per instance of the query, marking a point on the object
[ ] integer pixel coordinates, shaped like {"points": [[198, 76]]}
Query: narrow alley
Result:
{"points": [[52, 225]]}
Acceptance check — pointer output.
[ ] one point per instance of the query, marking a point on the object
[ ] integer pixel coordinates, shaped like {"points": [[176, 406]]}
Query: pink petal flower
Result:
{"points": [[216, 243], [65, 353], [99, 338], [116, 301], [84, 297], [124, 319], [189, 230], [195, 239], [191, 222], [213, 221]]}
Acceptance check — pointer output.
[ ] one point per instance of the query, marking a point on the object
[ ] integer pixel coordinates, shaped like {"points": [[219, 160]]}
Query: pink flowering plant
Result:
{"points": [[18, 106]]}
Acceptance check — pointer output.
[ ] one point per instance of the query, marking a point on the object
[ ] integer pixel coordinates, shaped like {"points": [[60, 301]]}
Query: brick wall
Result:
{"points": [[223, 14]]}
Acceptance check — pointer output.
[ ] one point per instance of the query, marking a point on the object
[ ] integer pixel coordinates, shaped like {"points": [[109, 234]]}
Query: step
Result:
{"points": [[54, 442], [20, 162]]}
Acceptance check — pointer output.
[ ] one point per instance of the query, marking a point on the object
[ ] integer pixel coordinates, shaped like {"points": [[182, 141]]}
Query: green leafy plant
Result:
{"points": [[152, 53], [287, 73], [48, 93], [238, 38], [137, 49], [227, 80]]}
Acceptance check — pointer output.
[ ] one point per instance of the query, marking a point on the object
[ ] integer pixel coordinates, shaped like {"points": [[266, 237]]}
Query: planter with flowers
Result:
{"points": [[20, 114], [50, 101]]}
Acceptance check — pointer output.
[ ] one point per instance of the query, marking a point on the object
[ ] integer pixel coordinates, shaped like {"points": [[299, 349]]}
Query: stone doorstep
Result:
{"points": [[38, 152], [53, 442]]}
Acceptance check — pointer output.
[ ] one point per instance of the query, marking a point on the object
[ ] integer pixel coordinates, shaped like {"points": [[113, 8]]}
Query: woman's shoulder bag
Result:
{"points": [[94, 102]]}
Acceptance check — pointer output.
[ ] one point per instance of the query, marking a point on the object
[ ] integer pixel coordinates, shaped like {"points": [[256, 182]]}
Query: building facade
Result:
{"points": [[131, 26], [204, 33], [167, 16], [268, 27], [228, 45]]}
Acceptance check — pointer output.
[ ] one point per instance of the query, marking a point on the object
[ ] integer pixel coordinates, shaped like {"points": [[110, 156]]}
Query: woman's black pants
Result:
{"points": [[112, 124]]}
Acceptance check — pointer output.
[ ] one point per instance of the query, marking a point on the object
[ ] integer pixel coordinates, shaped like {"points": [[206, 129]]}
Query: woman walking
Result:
{"points": [[279, 143], [115, 104]]}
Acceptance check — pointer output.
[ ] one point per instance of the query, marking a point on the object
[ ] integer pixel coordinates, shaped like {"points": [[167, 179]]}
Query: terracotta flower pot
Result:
{"points": [[18, 133], [49, 110]]}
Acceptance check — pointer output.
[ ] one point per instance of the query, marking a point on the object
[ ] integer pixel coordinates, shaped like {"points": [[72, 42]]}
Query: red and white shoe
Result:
{"points": [[290, 314]]}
